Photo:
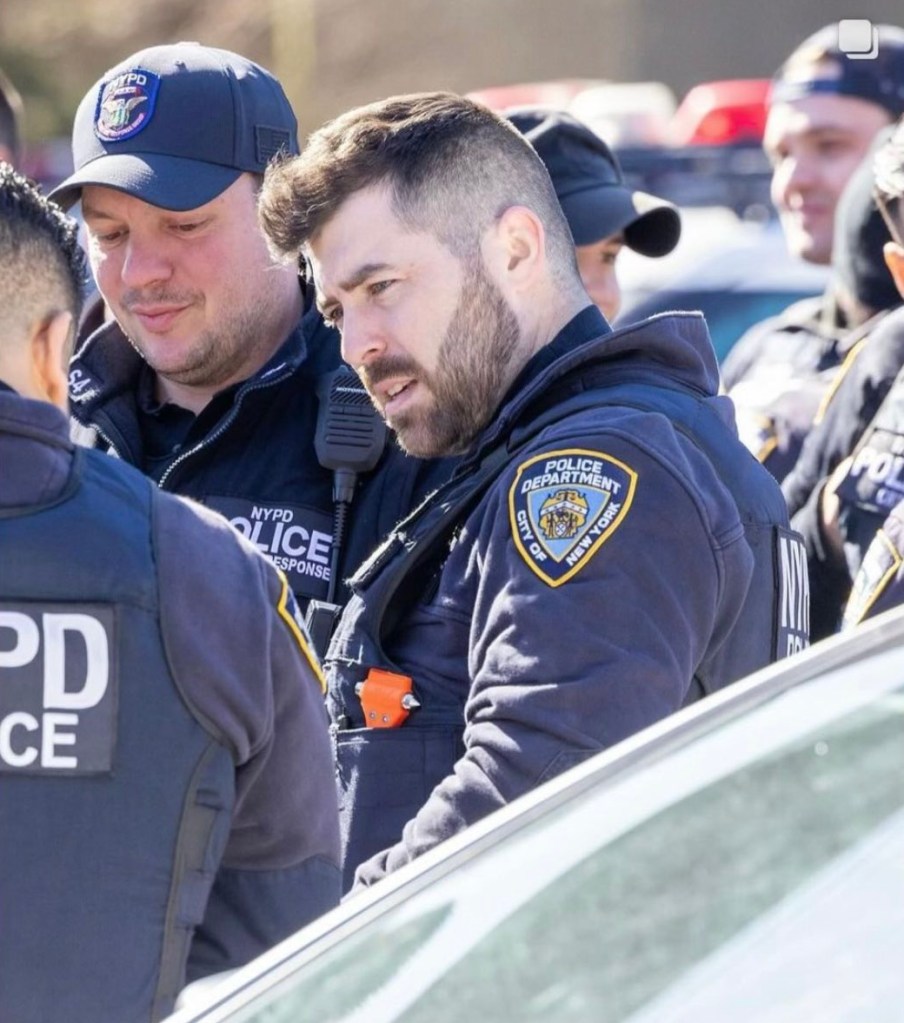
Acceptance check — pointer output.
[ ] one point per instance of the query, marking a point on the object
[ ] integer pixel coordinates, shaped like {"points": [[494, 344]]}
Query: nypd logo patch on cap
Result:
{"points": [[564, 505], [126, 104]]}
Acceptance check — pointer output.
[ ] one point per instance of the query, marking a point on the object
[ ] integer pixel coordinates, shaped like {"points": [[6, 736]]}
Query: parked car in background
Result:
{"points": [[737, 272], [742, 860]]}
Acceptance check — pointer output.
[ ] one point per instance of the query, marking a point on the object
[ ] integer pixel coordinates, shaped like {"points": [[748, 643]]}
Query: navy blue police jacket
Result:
{"points": [[857, 391], [862, 421], [250, 454], [167, 806], [606, 553]]}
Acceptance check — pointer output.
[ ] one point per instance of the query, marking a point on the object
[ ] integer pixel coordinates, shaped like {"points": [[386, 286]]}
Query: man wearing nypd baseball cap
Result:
{"points": [[827, 106], [206, 377], [177, 125], [604, 214]]}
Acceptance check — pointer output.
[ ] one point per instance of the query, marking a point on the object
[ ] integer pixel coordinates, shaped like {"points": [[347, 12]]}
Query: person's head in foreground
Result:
{"points": [[438, 248], [604, 214], [824, 111], [41, 290], [169, 148]]}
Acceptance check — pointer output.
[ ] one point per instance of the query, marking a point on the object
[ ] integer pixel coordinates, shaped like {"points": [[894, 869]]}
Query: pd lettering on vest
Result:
{"points": [[58, 688], [793, 632]]}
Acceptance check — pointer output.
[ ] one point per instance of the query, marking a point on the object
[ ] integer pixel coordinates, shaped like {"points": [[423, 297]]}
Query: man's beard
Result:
{"points": [[474, 369]]}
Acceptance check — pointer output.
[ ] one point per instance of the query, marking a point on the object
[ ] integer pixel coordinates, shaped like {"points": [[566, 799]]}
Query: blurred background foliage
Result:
{"points": [[333, 54]]}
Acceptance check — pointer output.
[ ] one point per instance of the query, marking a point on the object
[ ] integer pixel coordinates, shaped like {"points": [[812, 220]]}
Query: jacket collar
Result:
{"points": [[675, 345]]}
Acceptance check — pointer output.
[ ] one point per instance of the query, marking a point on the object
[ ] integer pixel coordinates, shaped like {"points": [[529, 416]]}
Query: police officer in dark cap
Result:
{"points": [[603, 212], [825, 111], [780, 408], [853, 520], [214, 369]]}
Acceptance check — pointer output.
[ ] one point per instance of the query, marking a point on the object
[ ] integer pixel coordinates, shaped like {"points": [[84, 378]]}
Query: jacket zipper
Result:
{"points": [[205, 442]]}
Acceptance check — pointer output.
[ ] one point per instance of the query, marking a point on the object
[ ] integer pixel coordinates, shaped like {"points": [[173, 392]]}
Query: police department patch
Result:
{"points": [[564, 505], [125, 105]]}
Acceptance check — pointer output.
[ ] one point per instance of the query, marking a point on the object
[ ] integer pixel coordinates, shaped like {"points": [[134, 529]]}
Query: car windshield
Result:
{"points": [[753, 874]]}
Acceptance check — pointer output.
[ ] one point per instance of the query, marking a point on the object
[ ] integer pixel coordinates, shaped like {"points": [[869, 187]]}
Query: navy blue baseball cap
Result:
{"points": [[590, 186], [176, 125], [819, 65]]}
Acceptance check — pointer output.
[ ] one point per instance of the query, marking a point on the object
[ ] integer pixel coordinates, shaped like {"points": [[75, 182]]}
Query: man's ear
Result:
{"points": [[894, 260], [51, 346], [518, 241]]}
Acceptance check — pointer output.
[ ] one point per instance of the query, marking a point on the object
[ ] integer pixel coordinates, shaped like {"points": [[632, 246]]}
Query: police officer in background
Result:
{"points": [[824, 112], [875, 351], [208, 378], [167, 804], [604, 215], [606, 550], [852, 521]]}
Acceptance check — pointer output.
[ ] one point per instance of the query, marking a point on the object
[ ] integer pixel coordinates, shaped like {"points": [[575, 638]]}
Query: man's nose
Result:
{"points": [[795, 174], [362, 338], [144, 263]]}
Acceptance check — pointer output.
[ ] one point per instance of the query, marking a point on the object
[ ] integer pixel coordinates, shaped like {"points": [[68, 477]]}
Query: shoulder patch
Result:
{"points": [[564, 505], [879, 567]]}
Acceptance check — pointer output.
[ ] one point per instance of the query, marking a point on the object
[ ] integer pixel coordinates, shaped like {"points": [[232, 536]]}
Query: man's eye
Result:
{"points": [[107, 237], [332, 317], [188, 227], [378, 287], [831, 147]]}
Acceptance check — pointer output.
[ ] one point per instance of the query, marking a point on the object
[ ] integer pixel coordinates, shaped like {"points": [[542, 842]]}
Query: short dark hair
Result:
{"points": [[42, 267], [10, 118], [888, 172], [453, 167]]}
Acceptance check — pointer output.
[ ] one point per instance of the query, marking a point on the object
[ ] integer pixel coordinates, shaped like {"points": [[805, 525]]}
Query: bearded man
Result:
{"points": [[482, 654]]}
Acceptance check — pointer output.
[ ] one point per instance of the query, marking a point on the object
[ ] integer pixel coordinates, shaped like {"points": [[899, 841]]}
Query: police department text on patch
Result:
{"points": [[564, 505]]}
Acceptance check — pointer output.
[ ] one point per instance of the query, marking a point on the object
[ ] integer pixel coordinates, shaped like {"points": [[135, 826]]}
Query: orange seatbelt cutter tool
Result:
{"points": [[386, 697]]}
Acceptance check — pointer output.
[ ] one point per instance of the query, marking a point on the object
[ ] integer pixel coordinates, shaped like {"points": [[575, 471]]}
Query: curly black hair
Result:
{"points": [[38, 234]]}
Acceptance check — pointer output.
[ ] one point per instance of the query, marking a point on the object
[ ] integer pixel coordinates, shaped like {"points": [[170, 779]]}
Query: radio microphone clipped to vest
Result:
{"points": [[349, 439]]}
